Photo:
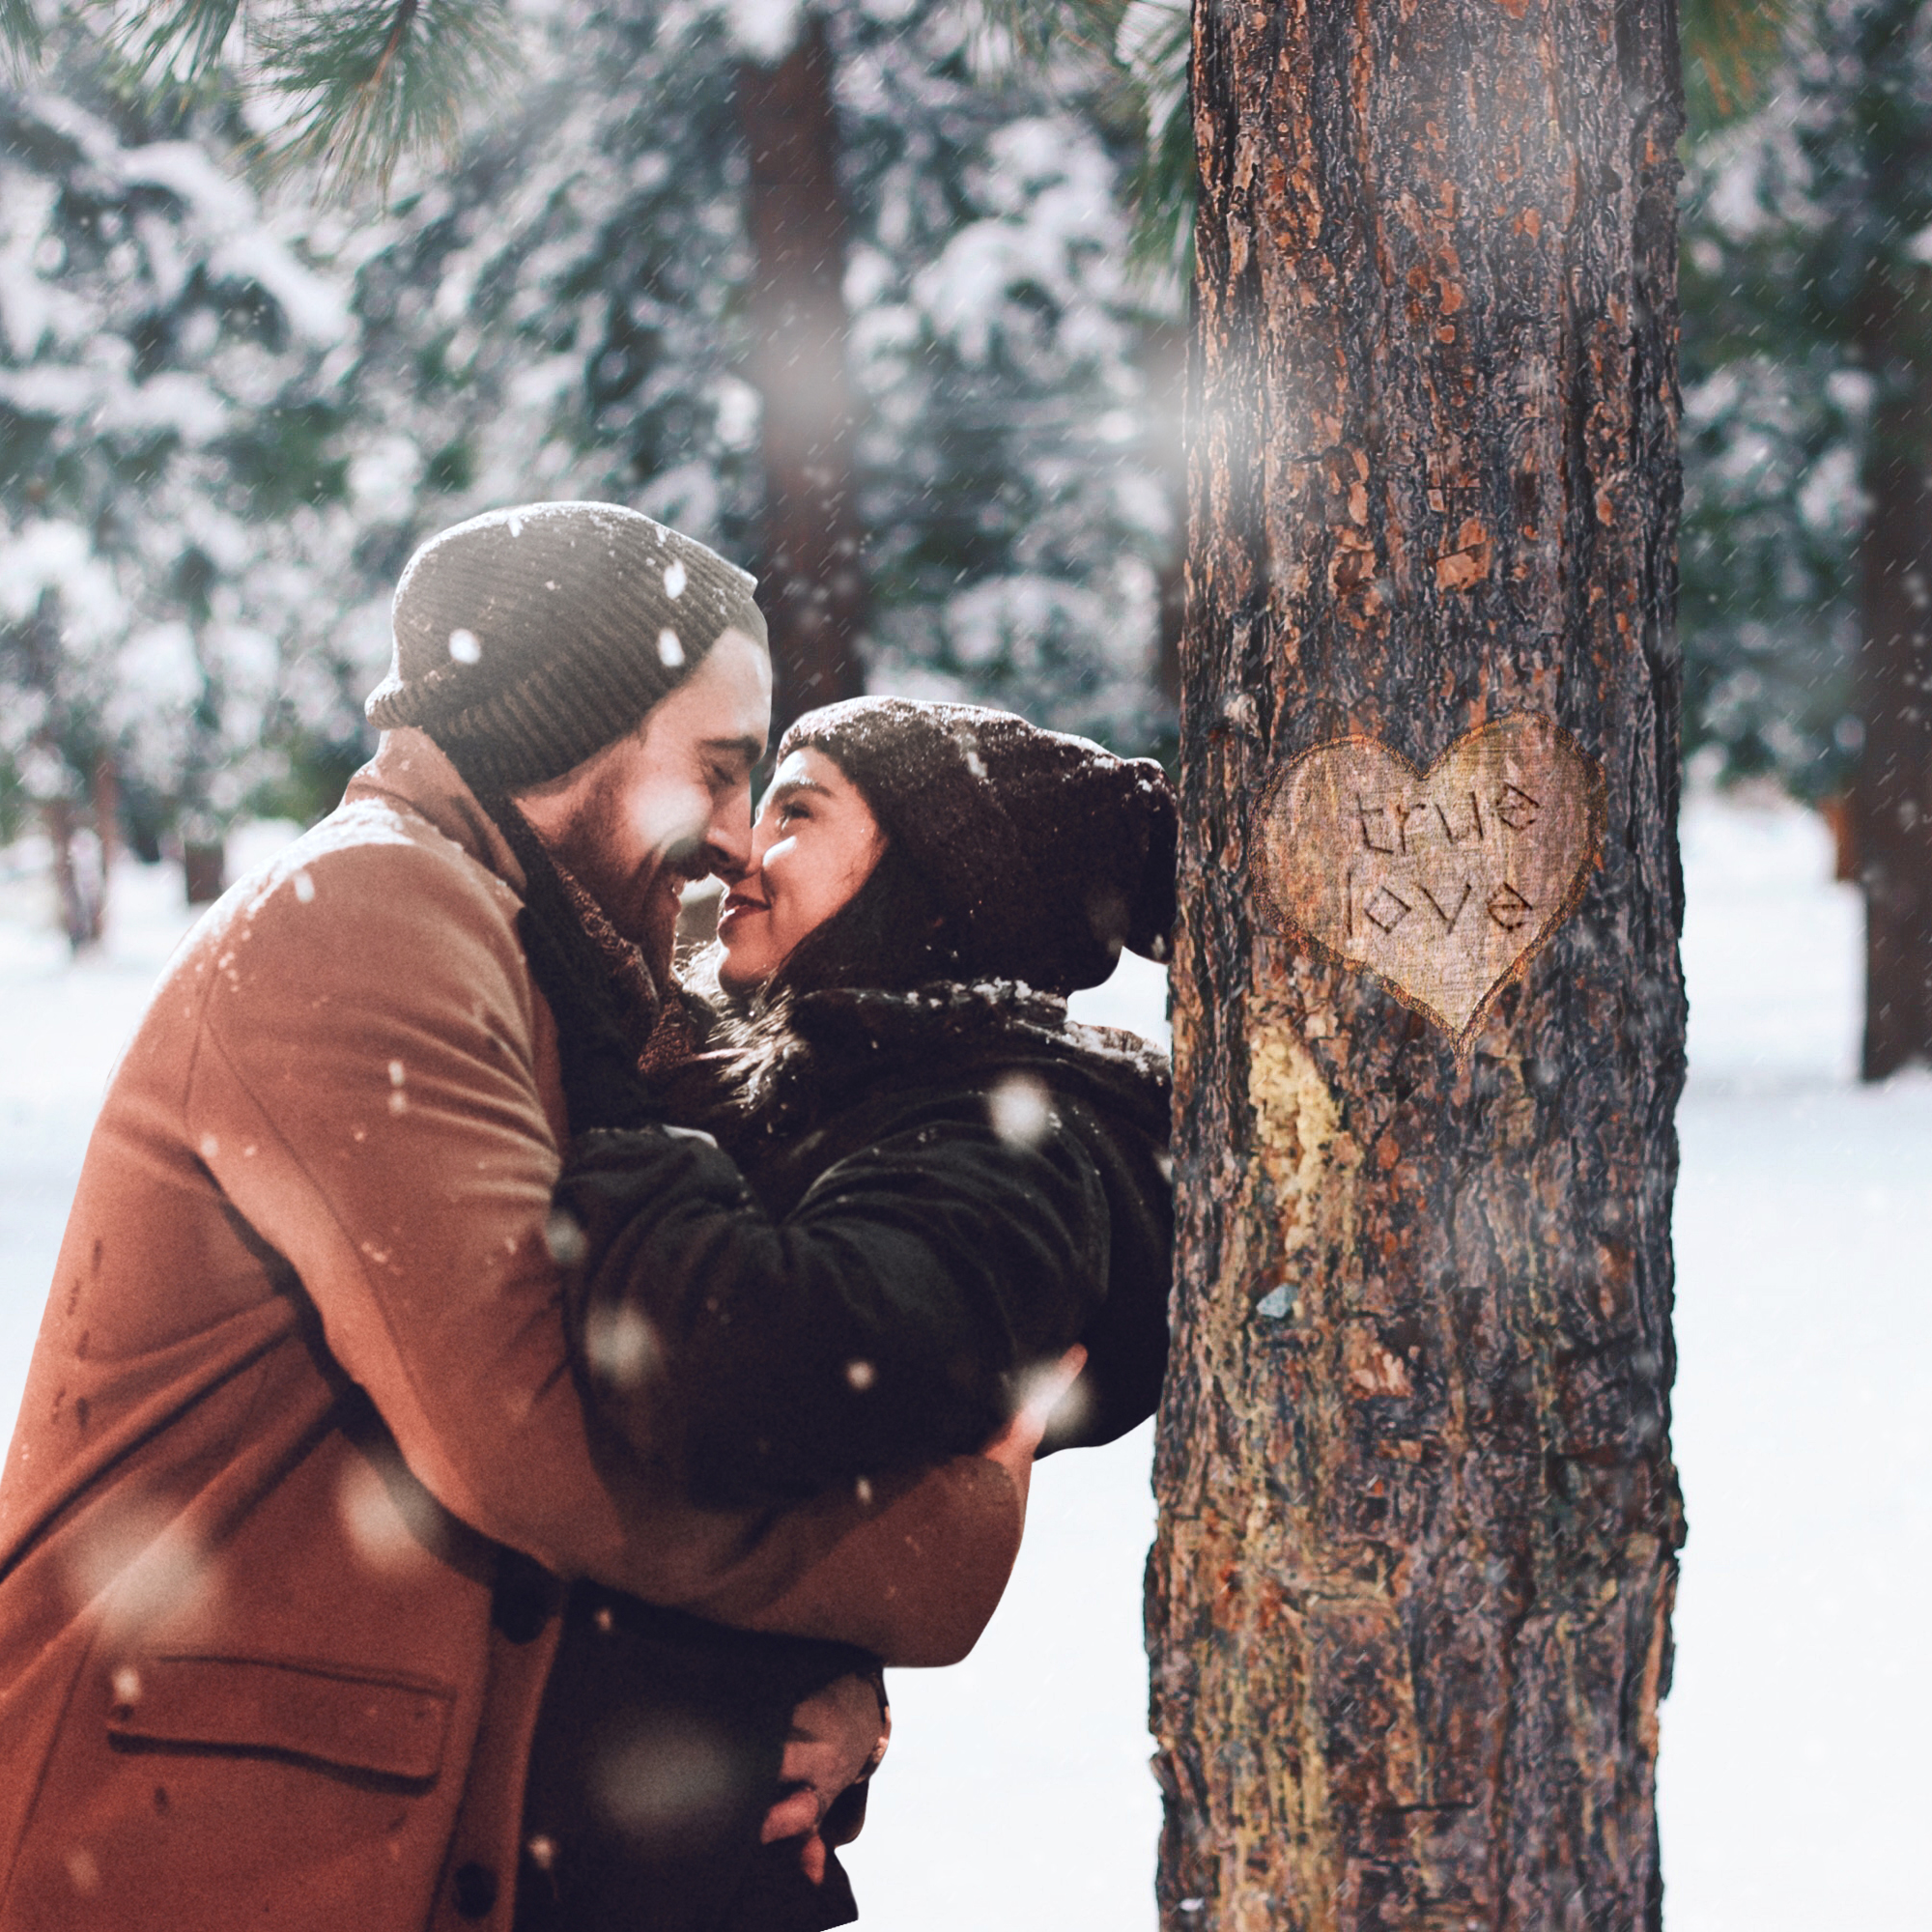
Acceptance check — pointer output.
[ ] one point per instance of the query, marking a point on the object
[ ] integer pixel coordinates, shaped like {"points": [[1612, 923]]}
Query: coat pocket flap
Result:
{"points": [[393, 1727]]}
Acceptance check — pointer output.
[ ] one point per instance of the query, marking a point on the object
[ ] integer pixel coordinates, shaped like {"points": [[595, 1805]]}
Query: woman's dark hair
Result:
{"points": [[893, 934]]}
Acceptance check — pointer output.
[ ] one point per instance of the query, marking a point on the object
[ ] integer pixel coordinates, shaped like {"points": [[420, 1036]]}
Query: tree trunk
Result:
{"points": [[1163, 359], [80, 875], [1409, 1608], [812, 587], [204, 868], [104, 801], [1892, 803], [80, 853]]}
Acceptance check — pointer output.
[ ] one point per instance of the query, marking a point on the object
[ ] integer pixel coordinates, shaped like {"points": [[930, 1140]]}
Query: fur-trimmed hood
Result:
{"points": [[811, 1057]]}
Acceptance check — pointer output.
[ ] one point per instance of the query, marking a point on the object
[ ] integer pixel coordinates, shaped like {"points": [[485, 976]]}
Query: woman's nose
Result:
{"points": [[763, 838]]}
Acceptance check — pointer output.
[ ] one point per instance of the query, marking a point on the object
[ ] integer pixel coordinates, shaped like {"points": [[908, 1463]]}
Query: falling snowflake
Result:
{"points": [[678, 1777], [1021, 1110], [563, 1236], [622, 1345]]}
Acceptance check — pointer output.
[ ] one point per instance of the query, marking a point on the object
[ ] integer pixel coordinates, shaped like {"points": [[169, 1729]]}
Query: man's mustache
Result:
{"points": [[692, 858]]}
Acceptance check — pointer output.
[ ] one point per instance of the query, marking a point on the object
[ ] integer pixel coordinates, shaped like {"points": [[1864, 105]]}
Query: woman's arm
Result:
{"points": [[887, 1322]]}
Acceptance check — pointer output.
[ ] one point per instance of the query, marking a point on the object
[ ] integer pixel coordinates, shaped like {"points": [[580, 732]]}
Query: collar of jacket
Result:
{"points": [[818, 1050], [410, 769]]}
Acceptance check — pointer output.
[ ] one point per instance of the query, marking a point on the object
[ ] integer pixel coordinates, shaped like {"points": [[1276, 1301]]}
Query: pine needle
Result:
{"points": [[1154, 46], [1728, 48], [21, 32], [182, 41], [377, 79], [1137, 53]]}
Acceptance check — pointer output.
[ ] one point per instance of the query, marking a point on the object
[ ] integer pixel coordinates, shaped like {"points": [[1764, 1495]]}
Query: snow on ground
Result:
{"points": [[1794, 1779], [1795, 1774], [63, 1023]]}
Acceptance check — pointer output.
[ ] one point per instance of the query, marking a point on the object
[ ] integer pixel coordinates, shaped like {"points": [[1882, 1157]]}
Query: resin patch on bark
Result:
{"points": [[1444, 882]]}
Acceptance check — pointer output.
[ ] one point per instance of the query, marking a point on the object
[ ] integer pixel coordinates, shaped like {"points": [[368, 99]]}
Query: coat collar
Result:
{"points": [[412, 770], [822, 1050]]}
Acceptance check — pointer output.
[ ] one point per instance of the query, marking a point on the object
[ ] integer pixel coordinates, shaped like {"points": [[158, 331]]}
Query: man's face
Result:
{"points": [[668, 801]]}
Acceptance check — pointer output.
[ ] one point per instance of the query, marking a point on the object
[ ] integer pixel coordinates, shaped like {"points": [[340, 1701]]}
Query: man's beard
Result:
{"points": [[658, 934], [640, 909], [644, 913]]}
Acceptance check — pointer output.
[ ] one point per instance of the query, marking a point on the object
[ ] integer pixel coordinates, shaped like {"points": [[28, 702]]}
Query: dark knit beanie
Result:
{"points": [[1049, 852], [527, 639]]}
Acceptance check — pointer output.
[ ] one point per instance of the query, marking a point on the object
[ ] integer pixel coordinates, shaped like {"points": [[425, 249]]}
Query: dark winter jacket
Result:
{"points": [[936, 1191], [932, 1193]]}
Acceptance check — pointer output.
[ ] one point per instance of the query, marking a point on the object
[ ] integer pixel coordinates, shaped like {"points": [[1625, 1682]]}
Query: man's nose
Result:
{"points": [[727, 842]]}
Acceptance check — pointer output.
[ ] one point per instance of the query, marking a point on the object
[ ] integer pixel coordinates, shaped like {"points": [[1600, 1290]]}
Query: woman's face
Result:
{"points": [[813, 844]]}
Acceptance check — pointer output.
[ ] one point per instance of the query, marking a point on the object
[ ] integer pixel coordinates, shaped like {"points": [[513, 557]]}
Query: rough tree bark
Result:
{"points": [[812, 582], [1409, 1608]]}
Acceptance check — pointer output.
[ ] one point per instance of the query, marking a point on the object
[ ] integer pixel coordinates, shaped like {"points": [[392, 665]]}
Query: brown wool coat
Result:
{"points": [[301, 1379]]}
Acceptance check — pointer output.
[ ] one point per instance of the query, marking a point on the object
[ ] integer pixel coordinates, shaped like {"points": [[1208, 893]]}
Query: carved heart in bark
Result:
{"points": [[1443, 882]]}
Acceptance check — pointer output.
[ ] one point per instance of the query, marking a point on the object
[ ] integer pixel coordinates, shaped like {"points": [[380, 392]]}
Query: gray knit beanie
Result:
{"points": [[527, 639]]}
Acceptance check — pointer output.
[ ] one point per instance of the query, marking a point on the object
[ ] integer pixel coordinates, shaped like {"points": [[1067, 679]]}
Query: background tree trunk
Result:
{"points": [[80, 841], [1408, 1609], [1891, 795], [80, 877], [1163, 361], [812, 582]]}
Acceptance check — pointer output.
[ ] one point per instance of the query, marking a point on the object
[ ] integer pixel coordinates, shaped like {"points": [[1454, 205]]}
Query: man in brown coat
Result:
{"points": [[299, 1425]]}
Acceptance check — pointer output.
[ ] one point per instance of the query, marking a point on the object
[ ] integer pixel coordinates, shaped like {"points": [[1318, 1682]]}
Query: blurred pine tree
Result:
{"points": [[1808, 549], [585, 297], [171, 463]]}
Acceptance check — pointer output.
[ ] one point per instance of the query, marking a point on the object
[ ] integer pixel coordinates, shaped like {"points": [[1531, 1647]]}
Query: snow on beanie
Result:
{"points": [[527, 639], [1049, 851]]}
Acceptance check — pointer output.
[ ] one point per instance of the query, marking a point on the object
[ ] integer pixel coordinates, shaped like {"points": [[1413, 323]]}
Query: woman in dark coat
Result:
{"points": [[918, 1188]]}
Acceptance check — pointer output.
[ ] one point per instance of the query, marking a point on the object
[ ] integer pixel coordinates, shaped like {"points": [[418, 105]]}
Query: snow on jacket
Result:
{"points": [[301, 1412], [946, 1189]]}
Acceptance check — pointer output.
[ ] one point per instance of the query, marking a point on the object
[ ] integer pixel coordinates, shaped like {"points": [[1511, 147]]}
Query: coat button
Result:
{"points": [[475, 1888]]}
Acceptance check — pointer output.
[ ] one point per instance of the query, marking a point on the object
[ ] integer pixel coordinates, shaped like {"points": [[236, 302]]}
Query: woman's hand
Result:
{"points": [[837, 1735], [1014, 1446]]}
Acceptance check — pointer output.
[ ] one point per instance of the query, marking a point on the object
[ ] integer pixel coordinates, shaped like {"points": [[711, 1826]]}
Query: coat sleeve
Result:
{"points": [[364, 1092], [882, 1324]]}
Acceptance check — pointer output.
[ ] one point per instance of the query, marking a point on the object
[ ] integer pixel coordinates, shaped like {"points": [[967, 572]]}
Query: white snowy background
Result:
{"points": [[1796, 1783]]}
